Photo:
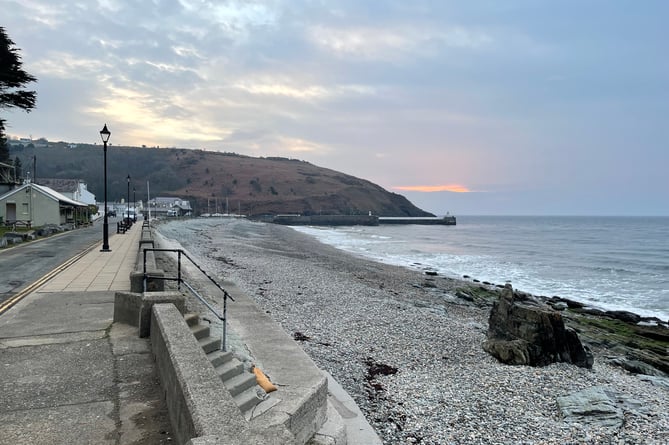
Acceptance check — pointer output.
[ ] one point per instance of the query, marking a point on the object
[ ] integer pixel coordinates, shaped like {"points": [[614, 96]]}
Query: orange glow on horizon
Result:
{"points": [[455, 188]]}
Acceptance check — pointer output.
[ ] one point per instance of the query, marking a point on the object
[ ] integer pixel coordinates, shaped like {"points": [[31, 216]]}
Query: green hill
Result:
{"points": [[251, 185]]}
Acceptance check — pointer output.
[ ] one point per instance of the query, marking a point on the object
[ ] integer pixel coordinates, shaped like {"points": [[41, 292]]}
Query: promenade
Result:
{"points": [[68, 375]]}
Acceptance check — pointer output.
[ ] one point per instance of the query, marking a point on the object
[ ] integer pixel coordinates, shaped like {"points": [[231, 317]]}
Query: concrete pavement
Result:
{"points": [[68, 375]]}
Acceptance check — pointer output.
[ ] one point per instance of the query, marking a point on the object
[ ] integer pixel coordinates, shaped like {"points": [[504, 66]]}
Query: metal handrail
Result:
{"points": [[180, 280]]}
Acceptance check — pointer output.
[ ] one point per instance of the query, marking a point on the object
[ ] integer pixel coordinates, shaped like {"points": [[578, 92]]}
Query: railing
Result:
{"points": [[180, 280]]}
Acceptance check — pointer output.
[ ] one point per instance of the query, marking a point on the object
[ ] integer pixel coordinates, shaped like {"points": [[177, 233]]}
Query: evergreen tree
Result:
{"points": [[4, 149], [12, 80], [18, 171]]}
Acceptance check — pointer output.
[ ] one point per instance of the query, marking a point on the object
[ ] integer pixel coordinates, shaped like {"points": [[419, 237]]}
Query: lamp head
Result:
{"points": [[104, 134]]}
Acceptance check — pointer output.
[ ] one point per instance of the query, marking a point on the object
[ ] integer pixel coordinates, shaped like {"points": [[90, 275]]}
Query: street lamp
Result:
{"points": [[134, 203], [104, 134], [128, 200]]}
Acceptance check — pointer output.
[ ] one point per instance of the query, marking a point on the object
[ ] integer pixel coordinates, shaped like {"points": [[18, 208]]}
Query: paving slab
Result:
{"points": [[57, 374], [89, 423], [53, 313]]}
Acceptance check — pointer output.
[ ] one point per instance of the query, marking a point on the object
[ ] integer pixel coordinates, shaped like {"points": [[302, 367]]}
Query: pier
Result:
{"points": [[427, 221], [358, 220]]}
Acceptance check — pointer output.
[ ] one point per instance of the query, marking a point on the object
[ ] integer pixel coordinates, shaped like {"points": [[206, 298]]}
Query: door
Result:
{"points": [[10, 211]]}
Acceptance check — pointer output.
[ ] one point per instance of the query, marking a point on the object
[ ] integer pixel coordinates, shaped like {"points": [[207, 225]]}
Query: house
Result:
{"points": [[170, 206], [75, 189], [34, 205]]}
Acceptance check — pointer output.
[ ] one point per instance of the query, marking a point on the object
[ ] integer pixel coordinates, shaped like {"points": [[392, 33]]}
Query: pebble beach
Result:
{"points": [[407, 350]]}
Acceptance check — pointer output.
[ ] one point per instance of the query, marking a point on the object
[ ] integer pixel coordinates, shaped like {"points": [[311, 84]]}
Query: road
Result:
{"points": [[27, 262]]}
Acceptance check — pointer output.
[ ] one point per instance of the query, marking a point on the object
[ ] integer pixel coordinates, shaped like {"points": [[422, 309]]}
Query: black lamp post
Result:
{"points": [[134, 203], [128, 198], [104, 134]]}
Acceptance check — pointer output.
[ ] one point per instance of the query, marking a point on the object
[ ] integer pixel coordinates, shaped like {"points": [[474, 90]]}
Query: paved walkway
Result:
{"points": [[70, 376], [101, 271]]}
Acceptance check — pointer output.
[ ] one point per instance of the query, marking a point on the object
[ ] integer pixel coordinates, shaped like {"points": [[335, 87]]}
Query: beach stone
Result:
{"points": [[524, 331], [592, 407], [637, 367]]}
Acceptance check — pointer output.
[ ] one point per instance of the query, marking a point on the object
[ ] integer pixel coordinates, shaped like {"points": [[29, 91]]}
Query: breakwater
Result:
{"points": [[426, 221], [356, 220]]}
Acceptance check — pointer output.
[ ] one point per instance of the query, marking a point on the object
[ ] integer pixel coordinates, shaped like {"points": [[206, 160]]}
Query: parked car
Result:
{"points": [[130, 215]]}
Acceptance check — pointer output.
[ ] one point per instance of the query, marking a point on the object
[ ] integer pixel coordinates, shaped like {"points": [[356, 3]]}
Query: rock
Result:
{"points": [[570, 303], [662, 382], [464, 296], [559, 305], [431, 273], [636, 367], [592, 407], [525, 331], [592, 311], [627, 317]]}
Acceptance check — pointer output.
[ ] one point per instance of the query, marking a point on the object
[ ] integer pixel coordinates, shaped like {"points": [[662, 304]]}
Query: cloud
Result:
{"points": [[455, 188], [395, 42], [479, 93]]}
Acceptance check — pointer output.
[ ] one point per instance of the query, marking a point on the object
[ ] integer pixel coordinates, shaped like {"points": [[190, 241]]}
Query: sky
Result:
{"points": [[514, 107]]}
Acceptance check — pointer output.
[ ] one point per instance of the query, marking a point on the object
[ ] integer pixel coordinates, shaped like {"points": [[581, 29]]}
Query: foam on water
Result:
{"points": [[611, 263]]}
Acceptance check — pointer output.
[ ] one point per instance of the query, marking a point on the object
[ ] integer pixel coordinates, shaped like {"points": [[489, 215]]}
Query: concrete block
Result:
{"points": [[146, 243], [152, 284], [126, 307], [134, 308], [149, 299]]}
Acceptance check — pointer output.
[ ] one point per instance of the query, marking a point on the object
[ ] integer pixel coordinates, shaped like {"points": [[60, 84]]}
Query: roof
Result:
{"points": [[47, 191], [184, 205], [61, 185]]}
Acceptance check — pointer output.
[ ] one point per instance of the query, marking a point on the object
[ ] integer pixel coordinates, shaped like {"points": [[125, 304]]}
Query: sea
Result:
{"points": [[611, 263]]}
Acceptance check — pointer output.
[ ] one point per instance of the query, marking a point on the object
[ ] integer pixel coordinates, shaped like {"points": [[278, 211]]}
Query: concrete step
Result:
{"points": [[192, 319], [209, 344], [219, 357], [240, 383], [247, 400], [200, 330], [229, 369]]}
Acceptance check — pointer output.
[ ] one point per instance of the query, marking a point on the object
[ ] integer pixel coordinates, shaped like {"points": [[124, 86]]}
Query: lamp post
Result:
{"points": [[134, 203], [128, 199], [104, 134]]}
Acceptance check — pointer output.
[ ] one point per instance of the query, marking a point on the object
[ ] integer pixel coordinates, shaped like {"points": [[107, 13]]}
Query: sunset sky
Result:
{"points": [[477, 107]]}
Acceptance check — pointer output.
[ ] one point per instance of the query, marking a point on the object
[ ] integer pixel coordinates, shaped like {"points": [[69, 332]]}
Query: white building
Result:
{"points": [[75, 189]]}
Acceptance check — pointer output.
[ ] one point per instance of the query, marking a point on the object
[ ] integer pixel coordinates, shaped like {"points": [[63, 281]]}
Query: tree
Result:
{"points": [[12, 80], [4, 150], [18, 170]]}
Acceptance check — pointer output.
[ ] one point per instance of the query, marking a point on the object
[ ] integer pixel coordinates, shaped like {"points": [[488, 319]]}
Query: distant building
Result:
{"points": [[36, 205], [75, 189], [170, 206]]}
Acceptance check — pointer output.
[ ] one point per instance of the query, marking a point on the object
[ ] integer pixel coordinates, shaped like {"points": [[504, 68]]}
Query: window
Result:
{"points": [[25, 209]]}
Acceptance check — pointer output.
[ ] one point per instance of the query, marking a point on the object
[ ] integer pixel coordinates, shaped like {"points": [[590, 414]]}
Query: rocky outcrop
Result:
{"points": [[599, 407], [525, 331]]}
